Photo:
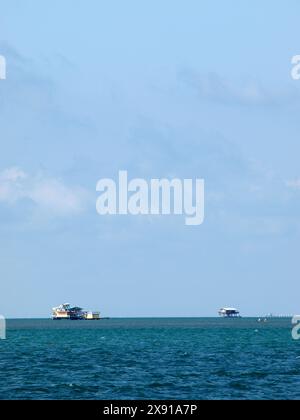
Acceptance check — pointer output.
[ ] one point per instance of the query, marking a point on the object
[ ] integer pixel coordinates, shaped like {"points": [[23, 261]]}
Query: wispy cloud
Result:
{"points": [[213, 87], [295, 183], [48, 194]]}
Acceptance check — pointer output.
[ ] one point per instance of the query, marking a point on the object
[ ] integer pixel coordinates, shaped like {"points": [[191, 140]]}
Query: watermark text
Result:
{"points": [[157, 197], [296, 328], [2, 67], [296, 67], [2, 328]]}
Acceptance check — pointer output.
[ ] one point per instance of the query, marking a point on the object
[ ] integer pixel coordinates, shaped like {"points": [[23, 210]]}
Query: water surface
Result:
{"points": [[150, 359]]}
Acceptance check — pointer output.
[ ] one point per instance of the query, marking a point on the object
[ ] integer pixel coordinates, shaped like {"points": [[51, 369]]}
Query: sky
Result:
{"points": [[195, 89]]}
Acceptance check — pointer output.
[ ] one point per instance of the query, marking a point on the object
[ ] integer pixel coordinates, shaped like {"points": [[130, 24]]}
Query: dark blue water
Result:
{"points": [[149, 359]]}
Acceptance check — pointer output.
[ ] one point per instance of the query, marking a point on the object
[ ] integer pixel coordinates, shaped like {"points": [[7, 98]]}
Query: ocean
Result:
{"points": [[164, 359]]}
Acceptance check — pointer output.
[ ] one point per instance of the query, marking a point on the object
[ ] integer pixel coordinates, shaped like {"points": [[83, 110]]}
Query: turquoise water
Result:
{"points": [[149, 359]]}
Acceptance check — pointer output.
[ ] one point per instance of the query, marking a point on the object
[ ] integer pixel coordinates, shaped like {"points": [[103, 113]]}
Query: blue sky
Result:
{"points": [[161, 89]]}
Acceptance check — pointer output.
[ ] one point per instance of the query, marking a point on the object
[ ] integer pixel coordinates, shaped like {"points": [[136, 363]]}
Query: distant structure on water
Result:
{"points": [[229, 313], [273, 316], [67, 312]]}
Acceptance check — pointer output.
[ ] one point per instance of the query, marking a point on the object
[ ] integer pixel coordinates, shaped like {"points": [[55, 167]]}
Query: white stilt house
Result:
{"points": [[229, 313]]}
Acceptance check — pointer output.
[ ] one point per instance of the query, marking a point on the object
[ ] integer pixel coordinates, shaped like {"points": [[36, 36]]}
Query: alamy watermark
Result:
{"points": [[2, 328], [2, 67], [296, 67], [156, 197], [296, 328]]}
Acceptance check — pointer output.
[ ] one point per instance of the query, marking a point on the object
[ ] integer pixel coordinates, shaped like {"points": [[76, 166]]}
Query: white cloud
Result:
{"points": [[12, 174], [294, 184], [216, 88], [48, 194]]}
